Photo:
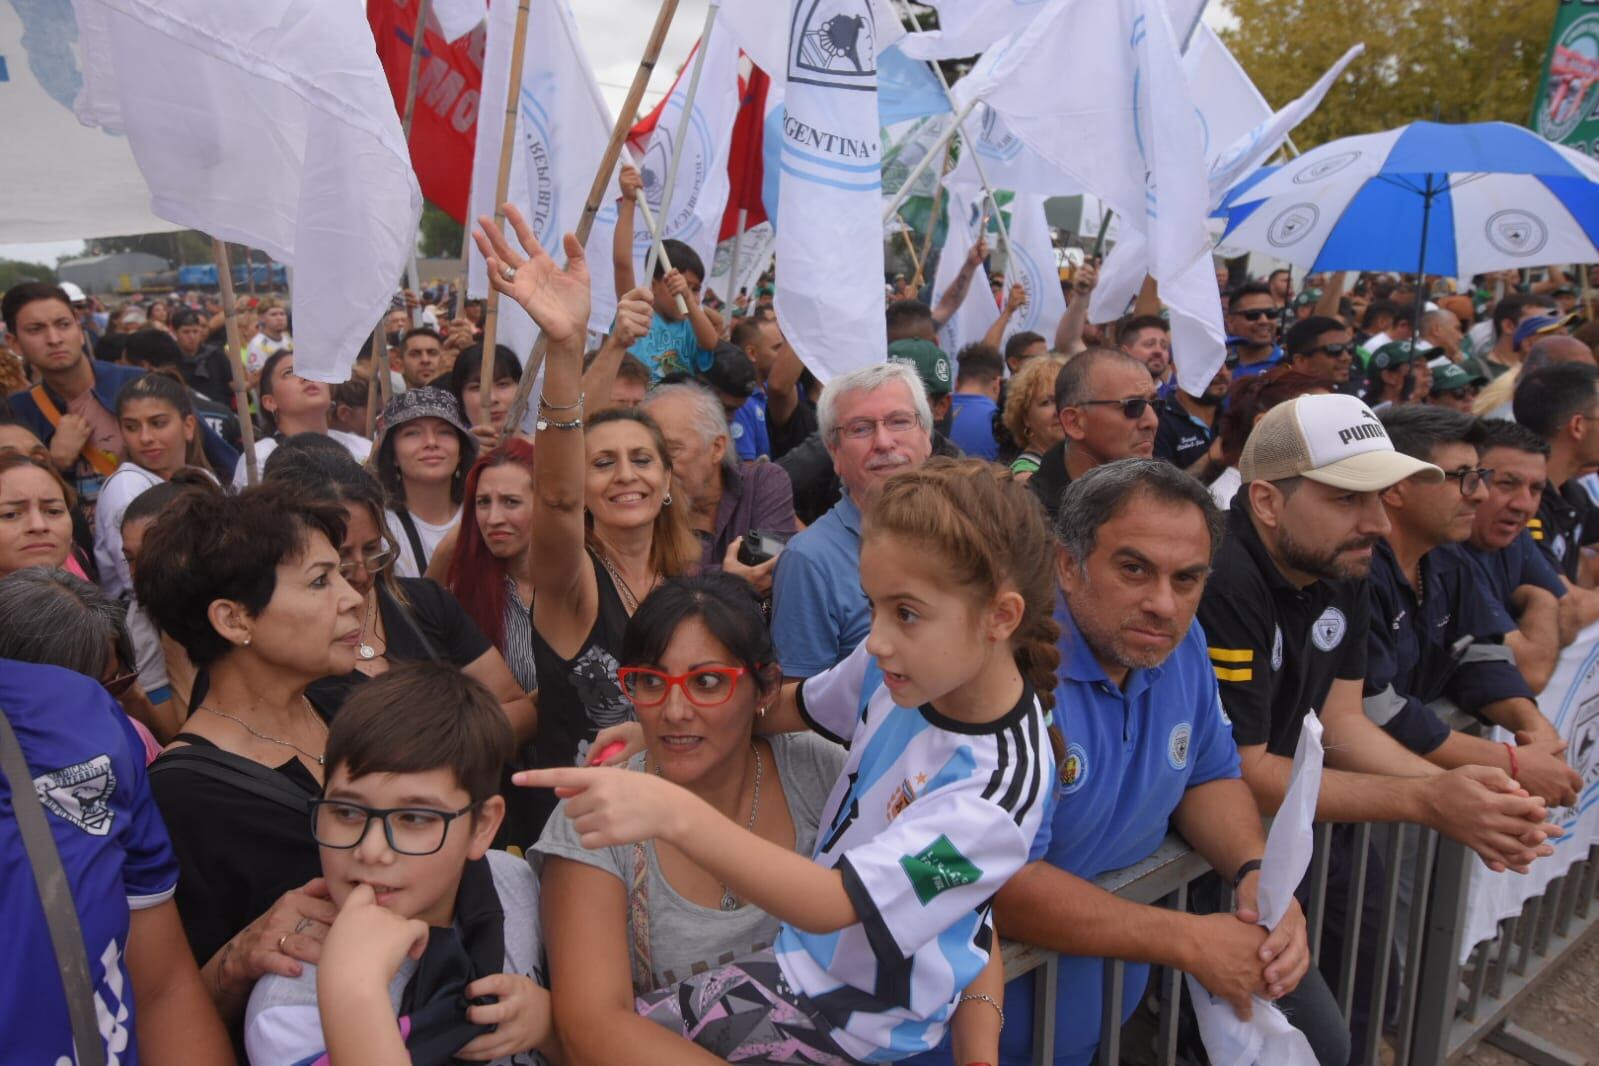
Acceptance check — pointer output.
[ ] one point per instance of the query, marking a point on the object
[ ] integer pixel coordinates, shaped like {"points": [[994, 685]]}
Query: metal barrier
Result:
{"points": [[1442, 1010]]}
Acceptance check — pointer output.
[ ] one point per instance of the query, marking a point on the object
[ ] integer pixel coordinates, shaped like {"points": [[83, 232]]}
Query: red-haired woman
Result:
{"points": [[490, 570]]}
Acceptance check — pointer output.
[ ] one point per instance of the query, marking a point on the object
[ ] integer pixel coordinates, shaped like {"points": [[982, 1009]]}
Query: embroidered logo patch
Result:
{"points": [[1177, 746], [938, 868], [1277, 648], [1073, 769], [1327, 632], [81, 794]]}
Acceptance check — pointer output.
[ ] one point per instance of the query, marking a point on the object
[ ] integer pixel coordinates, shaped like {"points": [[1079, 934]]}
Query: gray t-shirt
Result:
{"points": [[282, 1026], [686, 938]]}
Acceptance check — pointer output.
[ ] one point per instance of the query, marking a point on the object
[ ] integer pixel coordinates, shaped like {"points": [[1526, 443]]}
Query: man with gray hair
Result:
{"points": [[727, 499], [874, 422], [1149, 752]]}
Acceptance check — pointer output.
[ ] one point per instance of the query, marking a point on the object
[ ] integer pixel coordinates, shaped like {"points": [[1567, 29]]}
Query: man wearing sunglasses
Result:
{"points": [[1322, 347], [1432, 633], [1252, 317], [1453, 386], [1105, 400]]}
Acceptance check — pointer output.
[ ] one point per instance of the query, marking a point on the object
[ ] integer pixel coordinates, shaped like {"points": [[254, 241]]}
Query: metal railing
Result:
{"points": [[1442, 1009]]}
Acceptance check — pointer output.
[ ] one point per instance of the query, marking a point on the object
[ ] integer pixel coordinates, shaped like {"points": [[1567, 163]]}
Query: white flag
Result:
{"points": [[1032, 266], [457, 18], [1254, 147], [754, 256], [562, 129], [269, 124], [1134, 142], [1006, 161], [822, 55], [699, 196], [1228, 102], [978, 310], [73, 182], [967, 27], [1268, 1039]]}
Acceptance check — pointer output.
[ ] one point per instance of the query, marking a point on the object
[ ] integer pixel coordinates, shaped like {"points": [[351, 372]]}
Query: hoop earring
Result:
{"points": [[668, 501]]}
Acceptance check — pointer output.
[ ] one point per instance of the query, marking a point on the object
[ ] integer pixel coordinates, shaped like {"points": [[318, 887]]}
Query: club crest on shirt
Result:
{"points": [[81, 794], [1277, 648], [902, 797], [1177, 745], [1073, 769], [1327, 632]]}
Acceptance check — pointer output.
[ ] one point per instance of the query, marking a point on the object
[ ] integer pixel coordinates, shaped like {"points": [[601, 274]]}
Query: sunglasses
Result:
{"points": [[1132, 408], [1256, 314], [1334, 350]]}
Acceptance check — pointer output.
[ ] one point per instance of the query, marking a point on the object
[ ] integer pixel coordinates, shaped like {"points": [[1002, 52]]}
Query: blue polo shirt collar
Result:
{"points": [[848, 513], [1081, 665]]}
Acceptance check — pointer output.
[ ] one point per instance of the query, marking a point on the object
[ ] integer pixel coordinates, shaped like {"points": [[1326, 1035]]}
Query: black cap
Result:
{"points": [[731, 371]]}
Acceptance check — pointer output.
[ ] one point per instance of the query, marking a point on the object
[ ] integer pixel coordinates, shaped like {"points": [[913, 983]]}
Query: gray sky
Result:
{"points": [[614, 33]]}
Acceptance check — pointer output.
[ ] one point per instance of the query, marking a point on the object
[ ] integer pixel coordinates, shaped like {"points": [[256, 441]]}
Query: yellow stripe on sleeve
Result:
{"points": [[1240, 674], [1233, 655]]}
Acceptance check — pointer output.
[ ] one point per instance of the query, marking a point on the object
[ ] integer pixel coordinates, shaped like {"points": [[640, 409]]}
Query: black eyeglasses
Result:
{"points": [[1256, 314], [1132, 408], [1470, 480], [1335, 350], [409, 830]]}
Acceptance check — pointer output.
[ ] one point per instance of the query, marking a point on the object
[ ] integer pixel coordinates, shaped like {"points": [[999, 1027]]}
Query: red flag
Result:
{"points": [[444, 126], [745, 167]]}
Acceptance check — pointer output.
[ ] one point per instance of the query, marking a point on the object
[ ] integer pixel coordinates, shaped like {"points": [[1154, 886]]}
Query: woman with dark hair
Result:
{"points": [[491, 569], [623, 921], [162, 436], [605, 532], [1247, 403], [250, 586], [466, 385], [403, 619], [291, 405], [422, 457], [36, 513]]}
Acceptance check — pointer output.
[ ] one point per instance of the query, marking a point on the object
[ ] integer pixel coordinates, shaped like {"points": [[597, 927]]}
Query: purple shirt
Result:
{"points": [[757, 495]]}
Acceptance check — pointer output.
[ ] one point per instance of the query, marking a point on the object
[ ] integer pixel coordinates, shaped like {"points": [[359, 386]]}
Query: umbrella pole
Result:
{"points": [[1421, 265]]}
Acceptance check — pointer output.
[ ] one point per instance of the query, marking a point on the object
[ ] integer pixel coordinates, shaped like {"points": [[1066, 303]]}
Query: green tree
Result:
{"points": [[441, 234], [1441, 60], [13, 271]]}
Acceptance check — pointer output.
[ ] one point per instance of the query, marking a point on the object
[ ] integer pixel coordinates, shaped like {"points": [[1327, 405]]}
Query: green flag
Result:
{"points": [[1566, 105]]}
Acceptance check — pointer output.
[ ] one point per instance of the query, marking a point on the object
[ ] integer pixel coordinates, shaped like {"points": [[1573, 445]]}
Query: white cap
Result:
{"points": [[1333, 439], [74, 293]]}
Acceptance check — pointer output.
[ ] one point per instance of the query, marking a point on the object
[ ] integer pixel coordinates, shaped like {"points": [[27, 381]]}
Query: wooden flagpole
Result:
{"points": [[491, 310], [602, 180], [241, 398], [932, 219]]}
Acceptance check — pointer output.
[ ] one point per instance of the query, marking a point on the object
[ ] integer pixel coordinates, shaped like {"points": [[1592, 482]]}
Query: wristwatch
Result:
{"points": [[1244, 871]]}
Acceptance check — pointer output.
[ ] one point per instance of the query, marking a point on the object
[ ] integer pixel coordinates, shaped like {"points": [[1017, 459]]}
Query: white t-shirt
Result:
{"points": [[1226, 486], [128, 482], [930, 818], [261, 348], [358, 447], [406, 563]]}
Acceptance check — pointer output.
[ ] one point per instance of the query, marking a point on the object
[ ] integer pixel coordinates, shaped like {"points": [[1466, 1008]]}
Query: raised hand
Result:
{"points": [[634, 313], [556, 298], [632, 184]]}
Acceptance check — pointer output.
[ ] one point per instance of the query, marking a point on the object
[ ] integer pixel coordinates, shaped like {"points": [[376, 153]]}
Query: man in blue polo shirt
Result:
{"points": [[1149, 751]]}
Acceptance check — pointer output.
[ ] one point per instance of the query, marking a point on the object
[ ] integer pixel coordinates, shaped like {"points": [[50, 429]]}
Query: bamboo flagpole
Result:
{"points": [[591, 208], [491, 309], [241, 398], [684, 120], [422, 9]]}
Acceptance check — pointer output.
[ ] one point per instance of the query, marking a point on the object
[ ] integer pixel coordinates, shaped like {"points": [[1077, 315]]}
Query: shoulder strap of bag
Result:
{"points": [[235, 771], [103, 462], [409, 525], [55, 893], [638, 921]]}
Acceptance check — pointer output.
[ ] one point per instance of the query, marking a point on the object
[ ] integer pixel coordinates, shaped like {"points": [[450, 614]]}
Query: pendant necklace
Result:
{"points": [[730, 901], [366, 651], [254, 732]]}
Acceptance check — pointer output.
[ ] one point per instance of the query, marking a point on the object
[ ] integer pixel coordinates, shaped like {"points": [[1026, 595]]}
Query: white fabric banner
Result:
{"points": [[72, 181], [967, 27], [700, 195], [1571, 703], [822, 54], [457, 18], [1032, 265], [1007, 161], [1229, 104], [977, 311], [269, 124], [754, 256], [1135, 142], [904, 146], [562, 129], [1268, 1039]]}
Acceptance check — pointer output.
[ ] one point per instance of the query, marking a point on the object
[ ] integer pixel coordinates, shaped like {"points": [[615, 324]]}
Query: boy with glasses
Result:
{"points": [[408, 808], [1432, 634]]}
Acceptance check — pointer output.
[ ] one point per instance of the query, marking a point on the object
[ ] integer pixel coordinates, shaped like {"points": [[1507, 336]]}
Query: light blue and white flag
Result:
{"points": [[906, 89], [562, 129], [977, 311], [1032, 266], [1007, 161], [699, 196], [967, 27], [823, 55], [1135, 142], [1229, 104]]}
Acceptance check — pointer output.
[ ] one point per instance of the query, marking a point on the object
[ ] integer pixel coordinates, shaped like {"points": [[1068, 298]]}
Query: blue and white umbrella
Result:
{"points": [[1448, 200]]}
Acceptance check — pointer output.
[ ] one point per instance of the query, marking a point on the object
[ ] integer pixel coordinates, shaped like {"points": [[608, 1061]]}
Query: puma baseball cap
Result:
{"points": [[1333, 439]]}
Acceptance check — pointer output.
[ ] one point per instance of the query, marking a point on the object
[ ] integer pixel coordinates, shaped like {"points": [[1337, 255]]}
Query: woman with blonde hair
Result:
{"points": [[1029, 416]]}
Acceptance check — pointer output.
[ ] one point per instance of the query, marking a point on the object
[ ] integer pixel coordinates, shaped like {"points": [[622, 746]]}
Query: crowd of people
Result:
{"points": [[717, 714]]}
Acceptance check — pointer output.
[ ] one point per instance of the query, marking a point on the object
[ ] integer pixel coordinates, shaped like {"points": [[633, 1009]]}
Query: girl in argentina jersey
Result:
{"points": [[886, 935]]}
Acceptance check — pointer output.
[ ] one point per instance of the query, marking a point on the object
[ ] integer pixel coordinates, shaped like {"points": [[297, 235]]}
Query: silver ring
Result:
{"points": [[507, 273]]}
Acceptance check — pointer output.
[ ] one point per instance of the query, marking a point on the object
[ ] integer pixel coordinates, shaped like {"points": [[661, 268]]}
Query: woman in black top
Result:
{"points": [[402, 619], [605, 531], [250, 587]]}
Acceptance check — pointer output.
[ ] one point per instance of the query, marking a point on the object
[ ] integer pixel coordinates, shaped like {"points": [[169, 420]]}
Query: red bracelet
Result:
{"points": [[1515, 764]]}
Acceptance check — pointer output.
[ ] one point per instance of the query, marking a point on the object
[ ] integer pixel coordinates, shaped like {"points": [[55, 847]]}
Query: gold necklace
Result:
{"points": [[254, 732], [629, 599]]}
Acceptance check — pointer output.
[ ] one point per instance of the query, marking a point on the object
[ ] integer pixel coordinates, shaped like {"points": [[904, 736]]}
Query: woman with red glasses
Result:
{"points": [[699, 669]]}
